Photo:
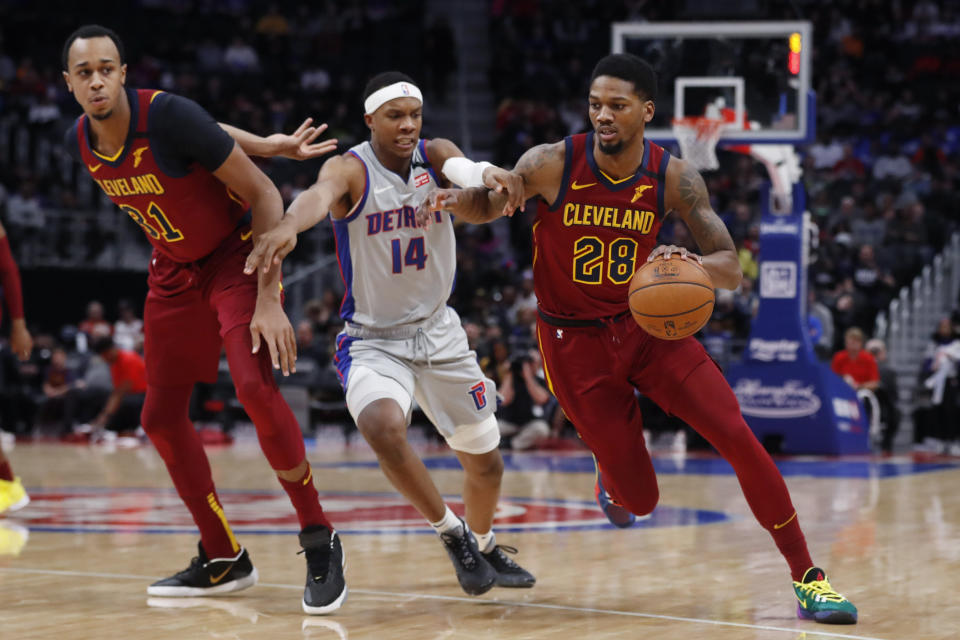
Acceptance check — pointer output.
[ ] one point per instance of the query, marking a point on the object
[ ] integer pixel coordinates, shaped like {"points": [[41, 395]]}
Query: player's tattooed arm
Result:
{"points": [[475, 205], [440, 150], [540, 168], [687, 194], [300, 145]]}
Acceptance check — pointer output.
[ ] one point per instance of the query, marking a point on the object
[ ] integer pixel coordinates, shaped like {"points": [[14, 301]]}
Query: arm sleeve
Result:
{"points": [[10, 278], [186, 133]]}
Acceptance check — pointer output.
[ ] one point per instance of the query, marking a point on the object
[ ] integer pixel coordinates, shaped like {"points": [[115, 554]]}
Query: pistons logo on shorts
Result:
{"points": [[479, 394]]}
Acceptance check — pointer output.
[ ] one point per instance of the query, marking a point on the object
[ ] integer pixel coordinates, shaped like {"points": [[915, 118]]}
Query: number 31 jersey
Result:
{"points": [[185, 211], [598, 232], [395, 272]]}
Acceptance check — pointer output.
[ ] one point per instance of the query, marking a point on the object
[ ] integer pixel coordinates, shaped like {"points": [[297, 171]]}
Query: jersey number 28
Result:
{"points": [[590, 267]]}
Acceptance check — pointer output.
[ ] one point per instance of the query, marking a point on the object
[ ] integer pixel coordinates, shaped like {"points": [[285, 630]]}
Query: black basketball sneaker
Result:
{"points": [[326, 586], [475, 574], [208, 577], [509, 573]]}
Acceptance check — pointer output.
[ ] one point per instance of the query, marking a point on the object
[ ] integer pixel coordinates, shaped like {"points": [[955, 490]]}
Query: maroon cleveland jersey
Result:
{"points": [[589, 243], [182, 208]]}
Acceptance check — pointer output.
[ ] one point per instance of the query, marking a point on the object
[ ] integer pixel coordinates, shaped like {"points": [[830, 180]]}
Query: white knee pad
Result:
{"points": [[477, 438], [366, 385]]}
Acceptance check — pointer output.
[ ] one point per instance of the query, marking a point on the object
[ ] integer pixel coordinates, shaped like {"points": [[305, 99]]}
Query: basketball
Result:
{"points": [[671, 299]]}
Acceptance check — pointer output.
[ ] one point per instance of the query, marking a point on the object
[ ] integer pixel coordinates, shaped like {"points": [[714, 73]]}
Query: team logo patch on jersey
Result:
{"points": [[160, 511], [421, 180], [639, 191], [136, 156], [479, 394]]}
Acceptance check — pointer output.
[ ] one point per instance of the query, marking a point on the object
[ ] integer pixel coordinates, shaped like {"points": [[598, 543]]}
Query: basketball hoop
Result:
{"points": [[698, 137]]}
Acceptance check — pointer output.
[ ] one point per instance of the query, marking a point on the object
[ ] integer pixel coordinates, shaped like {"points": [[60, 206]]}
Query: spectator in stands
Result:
{"points": [[940, 369], [125, 403], [823, 345], [26, 221], [886, 393], [273, 23], [856, 366], [891, 163], [826, 152], [875, 283], [523, 413], [94, 325], [241, 58], [929, 158], [871, 228], [128, 329], [849, 166], [59, 382]]}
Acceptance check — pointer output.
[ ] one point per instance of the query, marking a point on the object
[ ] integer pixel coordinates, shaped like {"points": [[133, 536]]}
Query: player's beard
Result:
{"points": [[102, 116], [611, 149]]}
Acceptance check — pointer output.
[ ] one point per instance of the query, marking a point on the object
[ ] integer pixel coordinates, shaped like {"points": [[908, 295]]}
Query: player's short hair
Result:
{"points": [[629, 67], [90, 31], [385, 79], [854, 332], [102, 345]]}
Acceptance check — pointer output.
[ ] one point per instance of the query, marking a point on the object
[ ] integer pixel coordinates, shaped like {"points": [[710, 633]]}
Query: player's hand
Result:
{"points": [[300, 144], [505, 182], [271, 323], [667, 250], [437, 200], [270, 248], [21, 342]]}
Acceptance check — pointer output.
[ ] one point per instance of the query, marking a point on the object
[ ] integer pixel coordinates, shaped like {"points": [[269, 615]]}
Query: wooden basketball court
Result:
{"points": [[104, 524]]}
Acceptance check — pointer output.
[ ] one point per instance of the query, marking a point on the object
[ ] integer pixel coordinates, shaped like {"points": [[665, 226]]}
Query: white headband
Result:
{"points": [[390, 92]]}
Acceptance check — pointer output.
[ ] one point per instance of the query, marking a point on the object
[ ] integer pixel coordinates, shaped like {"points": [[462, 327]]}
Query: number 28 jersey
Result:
{"points": [[591, 240]]}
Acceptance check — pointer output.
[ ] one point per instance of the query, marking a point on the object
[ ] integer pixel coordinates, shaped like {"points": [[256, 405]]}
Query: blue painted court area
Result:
{"points": [[579, 463]]}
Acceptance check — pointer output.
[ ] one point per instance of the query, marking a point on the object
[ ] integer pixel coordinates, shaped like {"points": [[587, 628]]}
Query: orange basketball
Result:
{"points": [[671, 299]]}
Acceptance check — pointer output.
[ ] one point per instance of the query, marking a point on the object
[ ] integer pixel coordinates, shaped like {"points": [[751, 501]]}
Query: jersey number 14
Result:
{"points": [[415, 255]]}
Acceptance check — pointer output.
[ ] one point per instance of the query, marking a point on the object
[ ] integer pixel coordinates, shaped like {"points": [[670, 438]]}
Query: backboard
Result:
{"points": [[759, 71]]}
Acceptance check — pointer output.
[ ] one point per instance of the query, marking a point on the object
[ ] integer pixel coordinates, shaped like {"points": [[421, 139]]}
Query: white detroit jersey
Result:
{"points": [[395, 272]]}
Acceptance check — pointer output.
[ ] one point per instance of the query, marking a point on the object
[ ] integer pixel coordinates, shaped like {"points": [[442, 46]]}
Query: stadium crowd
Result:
{"points": [[881, 176]]}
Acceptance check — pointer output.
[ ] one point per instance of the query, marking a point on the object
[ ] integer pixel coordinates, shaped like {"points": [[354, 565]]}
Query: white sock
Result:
{"points": [[485, 541], [448, 522]]}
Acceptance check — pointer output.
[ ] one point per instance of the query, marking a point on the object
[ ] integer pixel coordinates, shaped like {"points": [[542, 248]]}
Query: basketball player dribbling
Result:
{"points": [[166, 163], [401, 340], [603, 196]]}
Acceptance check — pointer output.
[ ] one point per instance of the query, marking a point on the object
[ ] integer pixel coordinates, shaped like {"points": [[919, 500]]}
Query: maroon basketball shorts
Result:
{"points": [[595, 371], [191, 306]]}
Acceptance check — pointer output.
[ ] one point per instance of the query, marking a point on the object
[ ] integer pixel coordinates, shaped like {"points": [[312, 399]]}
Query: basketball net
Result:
{"points": [[698, 137]]}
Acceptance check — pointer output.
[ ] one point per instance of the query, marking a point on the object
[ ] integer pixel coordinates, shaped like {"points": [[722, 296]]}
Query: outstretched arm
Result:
{"points": [[243, 177], [540, 168], [299, 145], [687, 195], [449, 162], [339, 178]]}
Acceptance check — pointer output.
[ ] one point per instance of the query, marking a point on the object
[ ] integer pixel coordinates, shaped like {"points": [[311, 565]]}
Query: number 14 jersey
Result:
{"points": [[591, 240], [395, 272]]}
